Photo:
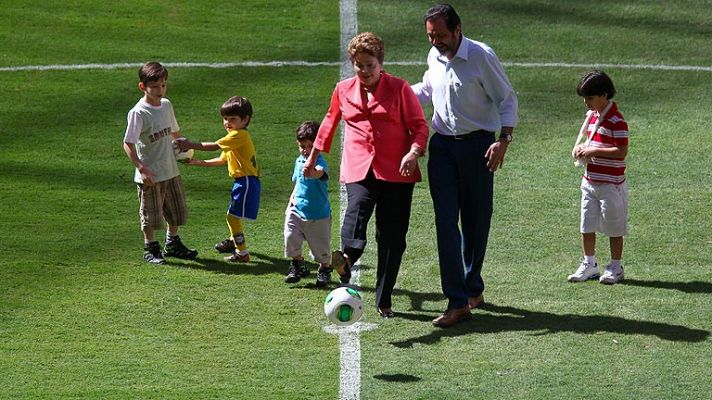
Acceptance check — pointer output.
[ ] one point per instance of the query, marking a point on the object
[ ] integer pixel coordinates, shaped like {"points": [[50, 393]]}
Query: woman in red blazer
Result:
{"points": [[385, 134]]}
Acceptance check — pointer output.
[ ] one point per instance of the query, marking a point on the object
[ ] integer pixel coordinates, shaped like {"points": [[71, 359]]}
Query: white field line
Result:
{"points": [[349, 340], [279, 64]]}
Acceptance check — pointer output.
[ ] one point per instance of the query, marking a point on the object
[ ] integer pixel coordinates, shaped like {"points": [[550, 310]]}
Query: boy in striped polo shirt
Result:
{"points": [[604, 192]]}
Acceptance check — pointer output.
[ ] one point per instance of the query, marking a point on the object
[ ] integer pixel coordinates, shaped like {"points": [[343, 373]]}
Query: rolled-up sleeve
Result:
{"points": [[423, 90], [500, 90], [413, 118]]}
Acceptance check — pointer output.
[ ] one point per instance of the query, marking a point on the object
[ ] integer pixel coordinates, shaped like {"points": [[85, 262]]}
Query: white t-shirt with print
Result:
{"points": [[149, 128]]}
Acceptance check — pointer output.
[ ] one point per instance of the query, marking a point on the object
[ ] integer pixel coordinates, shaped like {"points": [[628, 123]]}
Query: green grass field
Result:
{"points": [[83, 317]]}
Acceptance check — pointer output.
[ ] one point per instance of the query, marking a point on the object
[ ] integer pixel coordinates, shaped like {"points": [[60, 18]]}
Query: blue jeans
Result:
{"points": [[462, 188]]}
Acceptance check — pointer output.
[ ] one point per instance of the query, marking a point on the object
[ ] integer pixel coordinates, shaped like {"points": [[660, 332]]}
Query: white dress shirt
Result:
{"points": [[469, 92]]}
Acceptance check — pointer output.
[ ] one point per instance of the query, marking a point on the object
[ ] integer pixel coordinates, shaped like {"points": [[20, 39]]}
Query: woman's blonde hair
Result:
{"points": [[368, 43]]}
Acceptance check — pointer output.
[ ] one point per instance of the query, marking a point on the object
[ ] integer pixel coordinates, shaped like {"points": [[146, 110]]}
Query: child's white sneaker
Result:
{"points": [[584, 272], [612, 275]]}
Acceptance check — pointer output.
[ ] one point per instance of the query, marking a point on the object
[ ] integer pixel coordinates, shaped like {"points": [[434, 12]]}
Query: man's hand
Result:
{"points": [[495, 155]]}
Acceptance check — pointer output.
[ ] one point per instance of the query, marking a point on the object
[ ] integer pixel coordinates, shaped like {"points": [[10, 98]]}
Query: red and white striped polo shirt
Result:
{"points": [[612, 132]]}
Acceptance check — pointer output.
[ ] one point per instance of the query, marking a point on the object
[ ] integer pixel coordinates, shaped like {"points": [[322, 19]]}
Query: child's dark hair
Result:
{"points": [[237, 106], [151, 72], [596, 83], [307, 131]]}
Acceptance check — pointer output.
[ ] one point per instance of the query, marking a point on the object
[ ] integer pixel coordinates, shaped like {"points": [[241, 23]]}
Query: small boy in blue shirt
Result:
{"points": [[308, 214]]}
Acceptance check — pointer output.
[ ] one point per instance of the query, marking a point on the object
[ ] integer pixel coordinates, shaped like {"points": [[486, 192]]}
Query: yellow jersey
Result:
{"points": [[239, 153]]}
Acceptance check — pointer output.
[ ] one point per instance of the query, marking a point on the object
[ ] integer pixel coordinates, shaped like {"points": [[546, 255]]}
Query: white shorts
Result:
{"points": [[604, 208], [317, 234]]}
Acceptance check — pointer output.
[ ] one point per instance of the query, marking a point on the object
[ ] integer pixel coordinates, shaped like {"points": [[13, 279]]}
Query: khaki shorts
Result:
{"points": [[604, 208], [317, 234], [163, 201]]}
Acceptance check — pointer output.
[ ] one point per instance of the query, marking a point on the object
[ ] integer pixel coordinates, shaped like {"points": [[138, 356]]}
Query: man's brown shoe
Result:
{"points": [[452, 316], [475, 302]]}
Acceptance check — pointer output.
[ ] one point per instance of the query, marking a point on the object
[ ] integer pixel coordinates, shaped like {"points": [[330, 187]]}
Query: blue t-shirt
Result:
{"points": [[311, 197]]}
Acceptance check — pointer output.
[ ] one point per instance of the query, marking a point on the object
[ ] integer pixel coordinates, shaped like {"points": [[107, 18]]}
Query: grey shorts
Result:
{"points": [[163, 201], [604, 208], [317, 234]]}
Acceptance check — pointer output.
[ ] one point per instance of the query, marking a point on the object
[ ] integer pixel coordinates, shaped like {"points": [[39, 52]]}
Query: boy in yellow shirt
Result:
{"points": [[238, 153]]}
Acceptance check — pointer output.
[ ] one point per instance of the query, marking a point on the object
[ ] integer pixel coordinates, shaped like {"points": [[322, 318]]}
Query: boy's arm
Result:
{"points": [[318, 172], [185, 144], [608, 152], [206, 146], [213, 162], [147, 174], [291, 197]]}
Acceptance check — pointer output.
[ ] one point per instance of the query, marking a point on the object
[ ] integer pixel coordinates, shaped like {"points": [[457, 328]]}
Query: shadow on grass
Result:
{"points": [[687, 287], [259, 264], [310, 281], [416, 298], [402, 378], [504, 318]]}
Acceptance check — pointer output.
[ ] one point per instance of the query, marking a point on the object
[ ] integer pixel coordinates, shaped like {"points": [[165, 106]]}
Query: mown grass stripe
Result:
{"points": [[278, 64]]}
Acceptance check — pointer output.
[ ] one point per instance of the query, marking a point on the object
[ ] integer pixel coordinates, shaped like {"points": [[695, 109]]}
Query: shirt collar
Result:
{"points": [[462, 50], [461, 53]]}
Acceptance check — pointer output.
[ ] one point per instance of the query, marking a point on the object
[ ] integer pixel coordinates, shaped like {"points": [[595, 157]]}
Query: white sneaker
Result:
{"points": [[612, 275], [584, 272]]}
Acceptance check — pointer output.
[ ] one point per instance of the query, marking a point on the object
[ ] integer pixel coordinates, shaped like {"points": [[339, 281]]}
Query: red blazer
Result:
{"points": [[378, 134]]}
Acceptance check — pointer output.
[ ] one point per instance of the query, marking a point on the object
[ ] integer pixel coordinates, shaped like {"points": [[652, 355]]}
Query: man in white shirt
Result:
{"points": [[472, 99]]}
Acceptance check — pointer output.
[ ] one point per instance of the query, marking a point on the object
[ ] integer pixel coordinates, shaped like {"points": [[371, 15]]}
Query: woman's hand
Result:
{"points": [[408, 164], [309, 169]]}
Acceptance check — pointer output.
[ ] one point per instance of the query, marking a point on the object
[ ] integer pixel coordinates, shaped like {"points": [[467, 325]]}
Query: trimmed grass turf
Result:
{"points": [[81, 316]]}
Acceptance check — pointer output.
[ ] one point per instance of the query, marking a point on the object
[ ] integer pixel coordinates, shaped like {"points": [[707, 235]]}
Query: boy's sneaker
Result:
{"points": [[296, 272], [152, 254], [176, 248], [323, 276], [239, 258], [612, 275], [341, 265], [584, 272], [226, 246]]}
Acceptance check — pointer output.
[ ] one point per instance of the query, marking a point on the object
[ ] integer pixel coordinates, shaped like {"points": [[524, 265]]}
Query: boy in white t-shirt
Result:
{"points": [[148, 143]]}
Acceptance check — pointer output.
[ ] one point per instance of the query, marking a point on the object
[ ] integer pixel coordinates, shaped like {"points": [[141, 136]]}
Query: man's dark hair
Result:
{"points": [[595, 83], [452, 20]]}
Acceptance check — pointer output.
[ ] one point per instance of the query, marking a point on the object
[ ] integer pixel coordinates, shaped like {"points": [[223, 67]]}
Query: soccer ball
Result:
{"points": [[343, 306], [182, 156]]}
